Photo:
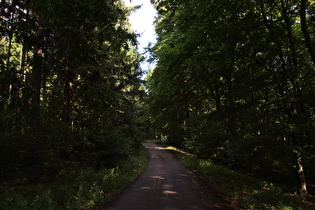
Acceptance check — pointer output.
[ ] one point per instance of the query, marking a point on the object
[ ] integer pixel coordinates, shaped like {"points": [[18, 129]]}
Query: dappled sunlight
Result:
{"points": [[205, 163], [178, 150], [165, 184], [159, 148], [169, 192], [157, 177], [154, 146]]}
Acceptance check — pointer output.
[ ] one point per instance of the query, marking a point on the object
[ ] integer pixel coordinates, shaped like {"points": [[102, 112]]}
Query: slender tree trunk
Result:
{"points": [[305, 30], [9, 70], [67, 104], [279, 47], [302, 179], [216, 96], [295, 141], [35, 84], [298, 112], [290, 35]]}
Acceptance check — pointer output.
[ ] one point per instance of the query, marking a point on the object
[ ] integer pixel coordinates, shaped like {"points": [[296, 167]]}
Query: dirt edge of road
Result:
{"points": [[103, 206], [212, 196]]}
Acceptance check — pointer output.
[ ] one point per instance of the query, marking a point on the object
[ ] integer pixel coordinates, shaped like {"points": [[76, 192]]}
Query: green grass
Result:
{"points": [[73, 189], [248, 192]]}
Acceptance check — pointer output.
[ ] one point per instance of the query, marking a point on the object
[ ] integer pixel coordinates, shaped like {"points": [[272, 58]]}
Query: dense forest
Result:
{"points": [[235, 82], [69, 86]]}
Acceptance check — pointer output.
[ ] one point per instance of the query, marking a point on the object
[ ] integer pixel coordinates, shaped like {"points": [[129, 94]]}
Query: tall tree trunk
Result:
{"points": [[302, 179], [9, 70], [290, 35], [216, 96], [67, 104], [35, 84], [295, 140], [298, 112], [305, 30]]}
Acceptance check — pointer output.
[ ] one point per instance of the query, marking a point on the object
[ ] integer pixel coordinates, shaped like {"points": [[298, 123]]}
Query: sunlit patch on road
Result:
{"points": [[165, 184], [169, 192], [157, 177]]}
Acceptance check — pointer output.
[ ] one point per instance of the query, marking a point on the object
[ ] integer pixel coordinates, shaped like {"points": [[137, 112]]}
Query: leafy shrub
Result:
{"points": [[74, 188]]}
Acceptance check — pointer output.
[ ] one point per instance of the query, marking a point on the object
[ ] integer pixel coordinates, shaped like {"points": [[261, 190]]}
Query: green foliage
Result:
{"points": [[69, 84], [247, 191], [75, 187], [233, 83]]}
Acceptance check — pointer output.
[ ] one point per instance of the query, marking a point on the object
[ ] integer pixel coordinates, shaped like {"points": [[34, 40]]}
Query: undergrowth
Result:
{"points": [[73, 189], [249, 192]]}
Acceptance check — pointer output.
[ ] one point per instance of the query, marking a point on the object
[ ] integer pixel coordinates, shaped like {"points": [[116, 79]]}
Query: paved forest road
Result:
{"points": [[164, 184]]}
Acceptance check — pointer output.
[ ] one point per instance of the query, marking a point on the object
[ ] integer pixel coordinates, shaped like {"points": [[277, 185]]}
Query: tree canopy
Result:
{"points": [[69, 84], [234, 82]]}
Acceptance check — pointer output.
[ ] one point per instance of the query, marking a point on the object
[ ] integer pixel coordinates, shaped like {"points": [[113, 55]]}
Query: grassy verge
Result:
{"points": [[247, 191], [73, 189]]}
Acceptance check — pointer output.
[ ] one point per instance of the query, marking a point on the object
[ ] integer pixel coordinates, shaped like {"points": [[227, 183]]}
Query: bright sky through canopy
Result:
{"points": [[142, 23]]}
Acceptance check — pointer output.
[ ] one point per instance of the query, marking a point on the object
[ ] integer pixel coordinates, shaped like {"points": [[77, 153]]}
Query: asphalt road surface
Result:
{"points": [[164, 184]]}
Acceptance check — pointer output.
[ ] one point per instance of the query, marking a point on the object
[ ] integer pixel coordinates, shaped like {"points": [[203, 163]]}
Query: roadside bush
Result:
{"points": [[74, 188]]}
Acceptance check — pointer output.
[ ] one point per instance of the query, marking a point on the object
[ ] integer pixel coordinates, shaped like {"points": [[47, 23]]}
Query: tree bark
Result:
{"points": [[9, 71], [302, 179], [305, 30], [67, 104], [35, 85], [290, 35]]}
